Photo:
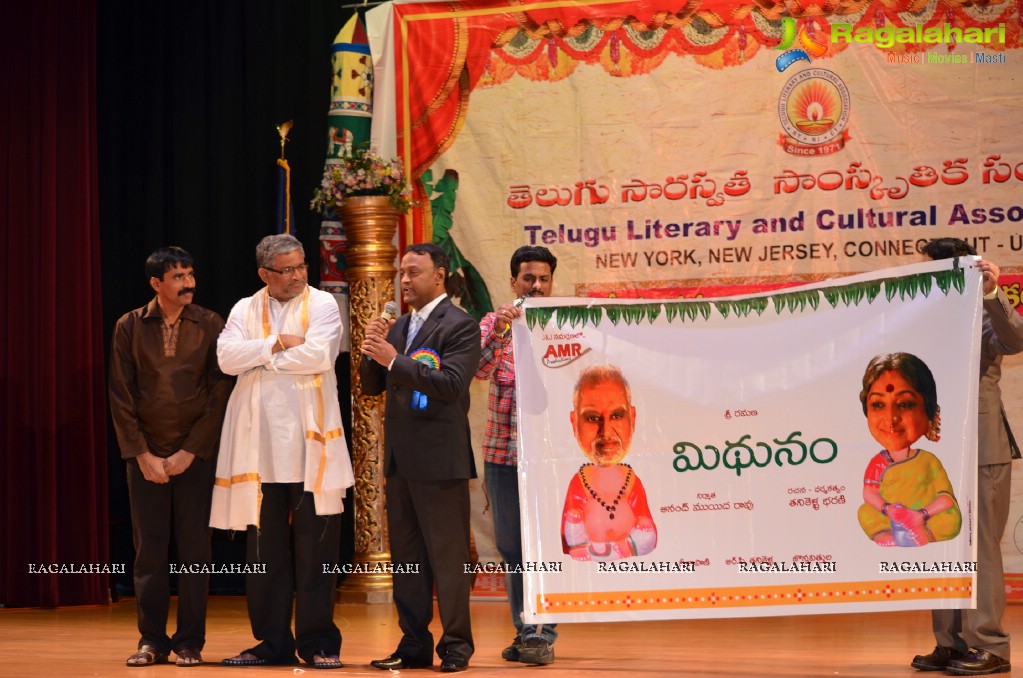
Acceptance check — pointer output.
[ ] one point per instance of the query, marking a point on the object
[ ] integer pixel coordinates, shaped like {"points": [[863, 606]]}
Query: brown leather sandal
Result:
{"points": [[188, 656], [149, 656]]}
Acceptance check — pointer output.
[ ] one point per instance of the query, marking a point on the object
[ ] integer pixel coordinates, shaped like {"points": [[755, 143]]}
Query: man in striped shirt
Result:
{"points": [[532, 274]]}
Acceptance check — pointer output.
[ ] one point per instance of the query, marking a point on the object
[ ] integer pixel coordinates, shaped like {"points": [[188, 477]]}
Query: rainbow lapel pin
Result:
{"points": [[428, 357]]}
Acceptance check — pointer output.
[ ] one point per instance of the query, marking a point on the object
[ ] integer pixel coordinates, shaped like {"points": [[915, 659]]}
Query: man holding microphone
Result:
{"points": [[532, 274]]}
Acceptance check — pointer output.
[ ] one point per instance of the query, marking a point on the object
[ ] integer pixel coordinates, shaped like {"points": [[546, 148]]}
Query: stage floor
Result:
{"points": [[95, 641]]}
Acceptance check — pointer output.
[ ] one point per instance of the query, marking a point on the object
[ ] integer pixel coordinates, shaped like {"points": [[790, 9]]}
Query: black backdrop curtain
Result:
{"points": [[176, 104], [189, 97], [190, 94]]}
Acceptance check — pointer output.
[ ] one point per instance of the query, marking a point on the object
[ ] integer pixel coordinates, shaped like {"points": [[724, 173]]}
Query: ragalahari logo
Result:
{"points": [[911, 44], [812, 43], [811, 39]]}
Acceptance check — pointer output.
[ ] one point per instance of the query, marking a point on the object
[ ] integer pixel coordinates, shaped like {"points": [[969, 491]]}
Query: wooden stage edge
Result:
{"points": [[94, 641]]}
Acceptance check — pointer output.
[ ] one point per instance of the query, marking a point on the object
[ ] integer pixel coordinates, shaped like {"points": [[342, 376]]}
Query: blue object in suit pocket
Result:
{"points": [[431, 359]]}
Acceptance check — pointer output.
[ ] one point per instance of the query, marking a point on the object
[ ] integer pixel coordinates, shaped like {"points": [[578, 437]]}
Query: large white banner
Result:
{"points": [[742, 472]]}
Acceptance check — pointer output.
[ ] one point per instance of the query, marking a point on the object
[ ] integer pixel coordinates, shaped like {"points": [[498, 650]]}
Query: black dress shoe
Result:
{"points": [[453, 662], [937, 660], [978, 663], [395, 662]]}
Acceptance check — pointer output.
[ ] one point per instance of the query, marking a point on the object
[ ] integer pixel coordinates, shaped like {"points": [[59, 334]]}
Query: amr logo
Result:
{"points": [[810, 38]]}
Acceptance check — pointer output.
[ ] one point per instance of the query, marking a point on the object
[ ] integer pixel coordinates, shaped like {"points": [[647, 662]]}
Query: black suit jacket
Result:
{"points": [[432, 443]]}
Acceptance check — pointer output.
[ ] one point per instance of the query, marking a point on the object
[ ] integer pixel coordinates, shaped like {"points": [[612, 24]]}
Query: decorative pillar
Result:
{"points": [[370, 223]]}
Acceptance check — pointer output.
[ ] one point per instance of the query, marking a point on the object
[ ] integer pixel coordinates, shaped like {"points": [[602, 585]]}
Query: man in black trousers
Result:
{"points": [[167, 399], [973, 642], [425, 361], [284, 466]]}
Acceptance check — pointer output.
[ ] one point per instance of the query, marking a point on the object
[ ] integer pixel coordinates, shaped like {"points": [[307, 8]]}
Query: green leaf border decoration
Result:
{"points": [[688, 311], [539, 316]]}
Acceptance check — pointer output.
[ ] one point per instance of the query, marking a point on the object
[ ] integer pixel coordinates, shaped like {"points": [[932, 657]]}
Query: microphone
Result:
{"points": [[521, 300], [390, 310]]}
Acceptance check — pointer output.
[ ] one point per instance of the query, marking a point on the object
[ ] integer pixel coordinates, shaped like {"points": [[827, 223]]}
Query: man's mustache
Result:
{"points": [[600, 442], [186, 290]]}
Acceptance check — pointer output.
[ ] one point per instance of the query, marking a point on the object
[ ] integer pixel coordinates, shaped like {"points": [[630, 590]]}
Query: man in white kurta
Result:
{"points": [[284, 464]]}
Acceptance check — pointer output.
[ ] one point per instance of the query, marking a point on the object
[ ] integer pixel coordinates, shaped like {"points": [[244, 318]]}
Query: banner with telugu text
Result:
{"points": [[714, 148], [740, 472]]}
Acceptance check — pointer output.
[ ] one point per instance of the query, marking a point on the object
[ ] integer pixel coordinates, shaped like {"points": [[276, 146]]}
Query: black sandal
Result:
{"points": [[331, 661], [239, 661]]}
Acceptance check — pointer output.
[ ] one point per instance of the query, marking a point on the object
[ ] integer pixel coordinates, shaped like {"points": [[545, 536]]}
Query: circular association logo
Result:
{"points": [[814, 106]]}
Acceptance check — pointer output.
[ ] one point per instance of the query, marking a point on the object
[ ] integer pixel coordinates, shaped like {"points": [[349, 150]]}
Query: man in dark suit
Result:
{"points": [[425, 361], [973, 642]]}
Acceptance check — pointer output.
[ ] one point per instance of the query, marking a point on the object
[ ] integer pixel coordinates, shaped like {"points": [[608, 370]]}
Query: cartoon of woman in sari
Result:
{"points": [[908, 499]]}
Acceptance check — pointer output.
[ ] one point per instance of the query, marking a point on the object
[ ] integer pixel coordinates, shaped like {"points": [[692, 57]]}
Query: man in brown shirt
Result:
{"points": [[167, 399]]}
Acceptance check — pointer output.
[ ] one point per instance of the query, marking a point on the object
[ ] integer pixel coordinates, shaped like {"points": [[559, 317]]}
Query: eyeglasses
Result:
{"points": [[290, 270]]}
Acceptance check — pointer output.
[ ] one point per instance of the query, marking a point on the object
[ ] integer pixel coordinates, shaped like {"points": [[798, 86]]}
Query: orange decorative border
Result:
{"points": [[445, 50], [1014, 585], [959, 588], [717, 34], [693, 288]]}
